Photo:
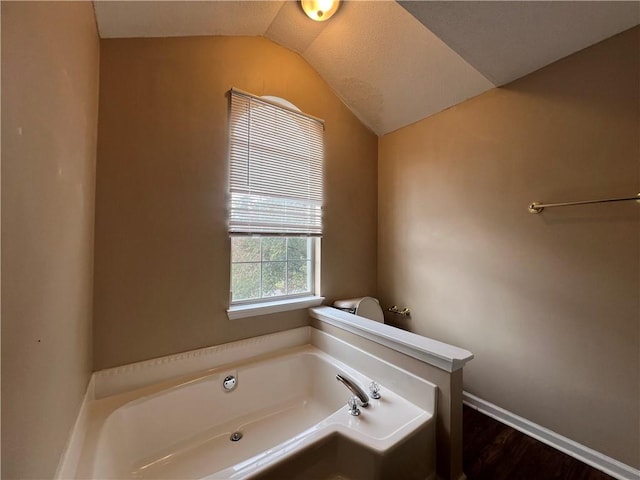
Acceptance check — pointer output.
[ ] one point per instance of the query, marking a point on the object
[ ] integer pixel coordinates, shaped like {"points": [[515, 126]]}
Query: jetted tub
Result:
{"points": [[285, 405]]}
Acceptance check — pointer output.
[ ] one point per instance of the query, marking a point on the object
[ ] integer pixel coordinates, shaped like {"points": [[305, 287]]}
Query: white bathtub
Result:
{"points": [[283, 404]]}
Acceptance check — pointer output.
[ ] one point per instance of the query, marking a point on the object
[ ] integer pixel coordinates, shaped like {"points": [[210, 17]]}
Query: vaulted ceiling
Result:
{"points": [[393, 63]]}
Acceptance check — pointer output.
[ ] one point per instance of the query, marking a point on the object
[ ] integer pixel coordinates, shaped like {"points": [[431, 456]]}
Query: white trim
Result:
{"points": [[71, 456], [574, 449], [439, 354], [135, 375], [264, 308]]}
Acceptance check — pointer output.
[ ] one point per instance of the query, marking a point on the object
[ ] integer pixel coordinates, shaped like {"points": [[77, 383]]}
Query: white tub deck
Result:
{"points": [[284, 402]]}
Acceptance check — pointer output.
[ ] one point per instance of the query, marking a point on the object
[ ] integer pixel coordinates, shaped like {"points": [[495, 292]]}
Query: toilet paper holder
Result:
{"points": [[405, 312]]}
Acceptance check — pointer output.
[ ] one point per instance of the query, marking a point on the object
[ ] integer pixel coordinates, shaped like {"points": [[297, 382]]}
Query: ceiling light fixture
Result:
{"points": [[320, 10]]}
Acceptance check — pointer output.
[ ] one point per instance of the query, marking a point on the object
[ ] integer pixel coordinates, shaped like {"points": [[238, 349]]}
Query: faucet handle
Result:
{"points": [[353, 406], [374, 390]]}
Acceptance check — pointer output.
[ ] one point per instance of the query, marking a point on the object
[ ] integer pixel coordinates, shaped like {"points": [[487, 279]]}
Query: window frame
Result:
{"points": [[313, 246], [237, 311], [277, 303]]}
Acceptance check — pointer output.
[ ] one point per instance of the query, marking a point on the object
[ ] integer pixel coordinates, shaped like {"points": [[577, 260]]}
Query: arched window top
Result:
{"points": [[281, 101]]}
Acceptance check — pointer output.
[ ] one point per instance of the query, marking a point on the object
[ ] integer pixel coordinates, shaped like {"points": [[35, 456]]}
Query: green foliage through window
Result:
{"points": [[263, 267]]}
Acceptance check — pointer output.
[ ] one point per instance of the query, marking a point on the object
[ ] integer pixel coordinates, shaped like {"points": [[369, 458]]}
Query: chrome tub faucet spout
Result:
{"points": [[363, 398]]}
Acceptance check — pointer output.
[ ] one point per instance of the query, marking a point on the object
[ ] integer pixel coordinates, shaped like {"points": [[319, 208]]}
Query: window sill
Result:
{"points": [[264, 308]]}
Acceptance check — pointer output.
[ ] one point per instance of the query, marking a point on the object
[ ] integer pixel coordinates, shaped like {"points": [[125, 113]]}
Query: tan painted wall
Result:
{"points": [[50, 61], [549, 304], [162, 248]]}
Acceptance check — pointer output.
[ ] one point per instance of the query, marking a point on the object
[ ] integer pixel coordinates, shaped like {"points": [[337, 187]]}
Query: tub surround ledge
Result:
{"points": [[439, 354], [116, 380]]}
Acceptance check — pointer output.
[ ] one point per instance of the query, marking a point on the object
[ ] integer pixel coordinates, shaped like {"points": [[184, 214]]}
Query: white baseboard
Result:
{"points": [[587, 455]]}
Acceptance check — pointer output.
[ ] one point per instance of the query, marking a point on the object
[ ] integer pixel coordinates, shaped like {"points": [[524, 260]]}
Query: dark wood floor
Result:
{"points": [[494, 451]]}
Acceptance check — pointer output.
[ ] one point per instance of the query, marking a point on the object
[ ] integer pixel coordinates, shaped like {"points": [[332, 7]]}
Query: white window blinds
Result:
{"points": [[276, 158]]}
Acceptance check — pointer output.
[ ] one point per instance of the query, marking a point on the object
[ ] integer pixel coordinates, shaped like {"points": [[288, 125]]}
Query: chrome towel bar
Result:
{"points": [[537, 207]]}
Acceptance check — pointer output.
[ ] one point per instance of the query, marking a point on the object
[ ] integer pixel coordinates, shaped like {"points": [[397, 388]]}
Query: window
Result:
{"points": [[275, 217], [264, 267]]}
